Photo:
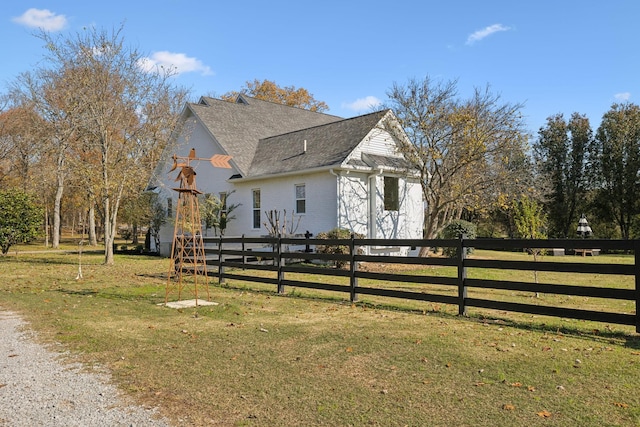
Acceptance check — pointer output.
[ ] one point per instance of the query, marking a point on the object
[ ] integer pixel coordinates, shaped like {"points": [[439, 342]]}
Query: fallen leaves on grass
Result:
{"points": [[544, 414], [621, 405], [508, 407]]}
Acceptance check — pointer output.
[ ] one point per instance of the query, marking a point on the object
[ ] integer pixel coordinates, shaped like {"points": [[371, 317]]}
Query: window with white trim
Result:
{"points": [[256, 208], [301, 198]]}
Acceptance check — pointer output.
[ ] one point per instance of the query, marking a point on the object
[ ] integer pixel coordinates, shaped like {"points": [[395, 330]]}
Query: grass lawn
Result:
{"points": [[313, 358]]}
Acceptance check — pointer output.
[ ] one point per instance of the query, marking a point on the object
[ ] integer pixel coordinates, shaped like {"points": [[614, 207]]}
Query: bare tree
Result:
{"points": [[110, 115], [465, 150]]}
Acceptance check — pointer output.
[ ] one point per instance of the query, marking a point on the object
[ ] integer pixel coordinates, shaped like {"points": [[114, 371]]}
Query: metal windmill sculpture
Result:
{"points": [[188, 256]]}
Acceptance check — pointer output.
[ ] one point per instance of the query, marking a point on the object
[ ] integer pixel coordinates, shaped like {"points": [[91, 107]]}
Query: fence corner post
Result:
{"points": [[462, 276], [353, 268]]}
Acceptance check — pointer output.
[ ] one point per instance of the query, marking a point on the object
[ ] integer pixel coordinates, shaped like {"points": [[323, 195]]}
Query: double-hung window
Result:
{"points": [[301, 199], [256, 208]]}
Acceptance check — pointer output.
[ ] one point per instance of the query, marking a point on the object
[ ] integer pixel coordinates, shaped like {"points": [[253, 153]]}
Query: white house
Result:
{"points": [[328, 171]]}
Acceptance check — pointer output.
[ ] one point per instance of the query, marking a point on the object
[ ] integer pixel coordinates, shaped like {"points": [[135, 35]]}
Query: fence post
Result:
{"points": [[636, 260], [280, 264], [244, 258], [462, 276], [353, 268], [220, 266]]}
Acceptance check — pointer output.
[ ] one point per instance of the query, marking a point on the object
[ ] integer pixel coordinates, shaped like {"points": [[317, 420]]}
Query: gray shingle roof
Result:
{"points": [[326, 145], [239, 126]]}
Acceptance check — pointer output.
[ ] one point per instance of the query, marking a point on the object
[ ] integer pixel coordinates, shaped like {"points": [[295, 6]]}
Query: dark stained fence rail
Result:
{"points": [[283, 255]]}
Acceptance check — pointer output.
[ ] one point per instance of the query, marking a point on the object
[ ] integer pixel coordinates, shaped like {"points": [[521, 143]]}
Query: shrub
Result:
{"points": [[336, 233], [20, 219], [455, 230]]}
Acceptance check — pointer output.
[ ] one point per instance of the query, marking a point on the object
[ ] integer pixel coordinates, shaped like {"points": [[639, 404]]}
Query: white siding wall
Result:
{"points": [[353, 213], [414, 209], [405, 223], [279, 194], [378, 142]]}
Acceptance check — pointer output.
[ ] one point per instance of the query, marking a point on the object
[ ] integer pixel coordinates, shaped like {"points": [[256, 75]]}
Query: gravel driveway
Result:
{"points": [[38, 389]]}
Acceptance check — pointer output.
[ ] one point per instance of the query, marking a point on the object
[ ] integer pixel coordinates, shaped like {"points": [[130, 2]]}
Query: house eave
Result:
{"points": [[286, 174], [329, 168]]}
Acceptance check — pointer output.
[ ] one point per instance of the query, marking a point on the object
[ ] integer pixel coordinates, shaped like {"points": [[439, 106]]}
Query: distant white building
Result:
{"points": [[328, 171]]}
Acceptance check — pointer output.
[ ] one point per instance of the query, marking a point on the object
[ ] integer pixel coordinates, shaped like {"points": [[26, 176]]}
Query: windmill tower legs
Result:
{"points": [[188, 257]]}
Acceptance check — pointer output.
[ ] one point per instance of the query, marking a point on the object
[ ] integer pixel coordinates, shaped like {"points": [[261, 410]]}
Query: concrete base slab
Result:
{"points": [[189, 303]]}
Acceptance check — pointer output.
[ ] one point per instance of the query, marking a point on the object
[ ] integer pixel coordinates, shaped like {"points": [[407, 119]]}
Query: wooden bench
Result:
{"points": [[585, 252]]}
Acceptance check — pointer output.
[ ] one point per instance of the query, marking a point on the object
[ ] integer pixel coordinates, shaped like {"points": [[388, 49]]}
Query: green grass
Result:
{"points": [[313, 358]]}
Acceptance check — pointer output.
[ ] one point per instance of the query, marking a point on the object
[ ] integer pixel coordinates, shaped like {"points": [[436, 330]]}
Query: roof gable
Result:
{"points": [[310, 148], [239, 126]]}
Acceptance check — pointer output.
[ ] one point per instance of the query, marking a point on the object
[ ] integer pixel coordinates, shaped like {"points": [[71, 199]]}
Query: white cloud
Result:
{"points": [[42, 18], [178, 62], [622, 96], [486, 32], [363, 104]]}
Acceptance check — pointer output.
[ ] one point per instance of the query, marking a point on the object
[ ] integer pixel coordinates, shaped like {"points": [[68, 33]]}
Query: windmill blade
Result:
{"points": [[175, 163], [189, 174]]}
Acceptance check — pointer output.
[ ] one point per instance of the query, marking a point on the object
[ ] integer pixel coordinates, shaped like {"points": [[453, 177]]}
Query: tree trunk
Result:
{"points": [[55, 238], [46, 226], [93, 238], [108, 234]]}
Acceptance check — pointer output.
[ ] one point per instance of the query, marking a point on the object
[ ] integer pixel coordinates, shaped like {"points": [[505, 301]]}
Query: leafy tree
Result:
{"points": [[615, 165], [217, 213], [210, 207], [109, 116], [530, 219], [560, 153], [20, 219], [467, 151], [268, 90], [530, 222]]}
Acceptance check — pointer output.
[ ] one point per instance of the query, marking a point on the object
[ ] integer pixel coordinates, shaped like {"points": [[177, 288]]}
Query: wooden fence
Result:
{"points": [[298, 255]]}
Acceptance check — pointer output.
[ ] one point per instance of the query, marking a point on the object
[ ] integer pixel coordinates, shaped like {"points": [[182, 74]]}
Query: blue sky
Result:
{"points": [[559, 56]]}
